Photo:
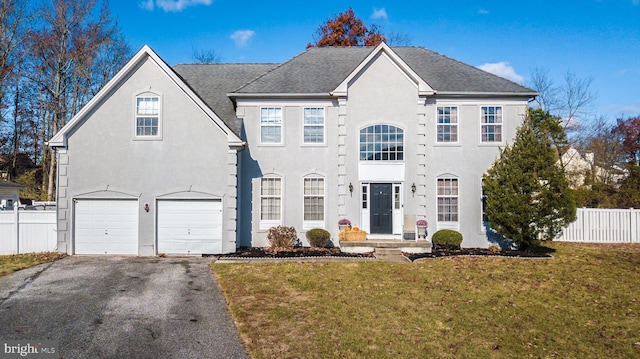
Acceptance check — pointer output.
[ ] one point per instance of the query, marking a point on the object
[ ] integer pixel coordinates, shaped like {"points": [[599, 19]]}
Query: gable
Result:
{"points": [[144, 59], [384, 53]]}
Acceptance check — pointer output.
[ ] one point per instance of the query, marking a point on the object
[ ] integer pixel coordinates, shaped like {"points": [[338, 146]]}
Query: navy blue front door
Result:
{"points": [[381, 208]]}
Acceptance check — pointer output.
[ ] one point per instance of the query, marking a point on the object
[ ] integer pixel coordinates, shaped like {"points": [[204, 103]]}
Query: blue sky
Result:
{"points": [[597, 39]]}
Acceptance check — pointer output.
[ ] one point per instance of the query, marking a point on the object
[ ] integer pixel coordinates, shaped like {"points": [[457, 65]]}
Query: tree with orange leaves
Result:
{"points": [[347, 30]]}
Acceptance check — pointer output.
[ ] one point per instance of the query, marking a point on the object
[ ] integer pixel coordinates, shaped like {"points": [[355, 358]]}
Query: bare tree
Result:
{"points": [[547, 100], [399, 39], [572, 100], [205, 56], [604, 149], [64, 51]]}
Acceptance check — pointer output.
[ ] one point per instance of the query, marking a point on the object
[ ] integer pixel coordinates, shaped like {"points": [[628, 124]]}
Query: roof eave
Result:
{"points": [[487, 94], [280, 95]]}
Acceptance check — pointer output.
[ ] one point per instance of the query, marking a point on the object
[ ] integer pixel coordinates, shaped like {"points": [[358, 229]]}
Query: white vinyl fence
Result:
{"points": [[596, 225], [27, 231]]}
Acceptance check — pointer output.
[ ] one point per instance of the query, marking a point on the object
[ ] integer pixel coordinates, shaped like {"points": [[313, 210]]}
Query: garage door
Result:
{"points": [[106, 227], [190, 226]]}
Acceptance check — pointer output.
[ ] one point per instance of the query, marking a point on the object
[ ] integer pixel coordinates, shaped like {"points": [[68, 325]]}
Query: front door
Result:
{"points": [[381, 209]]}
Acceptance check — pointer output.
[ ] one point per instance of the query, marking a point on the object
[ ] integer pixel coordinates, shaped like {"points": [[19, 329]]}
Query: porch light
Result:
{"points": [[413, 188], [350, 187]]}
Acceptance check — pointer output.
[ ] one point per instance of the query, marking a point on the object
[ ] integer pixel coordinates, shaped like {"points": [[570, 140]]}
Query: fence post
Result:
{"points": [[16, 227], [633, 224]]}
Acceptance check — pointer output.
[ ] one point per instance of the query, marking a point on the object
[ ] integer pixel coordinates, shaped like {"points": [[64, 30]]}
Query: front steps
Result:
{"points": [[386, 247]]}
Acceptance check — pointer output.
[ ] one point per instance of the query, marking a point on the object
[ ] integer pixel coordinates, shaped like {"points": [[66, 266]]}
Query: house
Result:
{"points": [[580, 169], [9, 194], [205, 158]]}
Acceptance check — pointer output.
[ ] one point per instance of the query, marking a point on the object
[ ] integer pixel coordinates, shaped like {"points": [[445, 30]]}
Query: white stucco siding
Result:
{"points": [[467, 161], [291, 161], [381, 94], [189, 160]]}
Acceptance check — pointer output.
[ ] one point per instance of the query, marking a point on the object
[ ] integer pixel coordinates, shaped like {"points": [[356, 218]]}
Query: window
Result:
{"points": [[381, 143], [447, 124], [147, 116], [271, 125], [364, 196], [313, 125], [491, 123], [447, 199], [271, 199], [314, 199]]}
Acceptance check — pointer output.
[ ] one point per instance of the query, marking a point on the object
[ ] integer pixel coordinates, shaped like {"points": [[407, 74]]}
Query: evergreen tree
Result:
{"points": [[528, 195]]}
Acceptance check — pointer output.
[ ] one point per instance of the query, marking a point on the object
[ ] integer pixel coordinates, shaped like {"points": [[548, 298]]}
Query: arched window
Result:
{"points": [[381, 143]]}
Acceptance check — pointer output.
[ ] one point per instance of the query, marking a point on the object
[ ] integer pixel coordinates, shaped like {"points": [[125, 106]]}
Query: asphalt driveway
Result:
{"points": [[121, 307]]}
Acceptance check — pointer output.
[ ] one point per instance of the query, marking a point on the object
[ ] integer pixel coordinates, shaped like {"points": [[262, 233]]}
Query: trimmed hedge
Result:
{"points": [[318, 237], [447, 238]]}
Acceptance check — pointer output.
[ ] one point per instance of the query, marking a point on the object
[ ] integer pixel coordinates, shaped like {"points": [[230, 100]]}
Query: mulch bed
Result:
{"points": [[540, 252], [259, 252]]}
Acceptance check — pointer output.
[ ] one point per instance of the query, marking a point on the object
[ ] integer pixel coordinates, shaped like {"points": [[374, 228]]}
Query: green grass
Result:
{"points": [[16, 262], [584, 303]]}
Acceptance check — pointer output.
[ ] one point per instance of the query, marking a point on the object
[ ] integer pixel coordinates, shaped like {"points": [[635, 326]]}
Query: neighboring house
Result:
{"points": [[9, 194], [578, 168], [205, 158]]}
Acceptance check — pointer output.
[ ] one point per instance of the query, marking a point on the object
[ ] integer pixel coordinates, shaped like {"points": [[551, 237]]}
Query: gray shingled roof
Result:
{"points": [[212, 82], [321, 70], [317, 70]]}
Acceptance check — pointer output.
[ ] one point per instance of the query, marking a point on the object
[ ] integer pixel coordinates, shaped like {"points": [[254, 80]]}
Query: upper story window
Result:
{"points": [[313, 132], [271, 125], [381, 143], [491, 123], [447, 124], [147, 116]]}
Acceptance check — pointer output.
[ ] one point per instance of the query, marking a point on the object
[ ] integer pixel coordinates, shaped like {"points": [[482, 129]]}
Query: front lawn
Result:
{"points": [[584, 303], [16, 262]]}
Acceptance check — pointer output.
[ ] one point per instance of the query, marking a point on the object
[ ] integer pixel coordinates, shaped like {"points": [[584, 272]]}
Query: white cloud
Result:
{"points": [[242, 37], [486, 12], [502, 69], [382, 14], [147, 5], [172, 5]]}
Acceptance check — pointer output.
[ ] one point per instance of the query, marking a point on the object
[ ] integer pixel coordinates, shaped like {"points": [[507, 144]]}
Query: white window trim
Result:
{"points": [[404, 142], [457, 125], [315, 224], [481, 123], [260, 126], [324, 128], [135, 117], [448, 224], [266, 224]]}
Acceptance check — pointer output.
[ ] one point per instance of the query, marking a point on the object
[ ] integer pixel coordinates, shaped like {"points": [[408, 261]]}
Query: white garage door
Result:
{"points": [[106, 226], [190, 226]]}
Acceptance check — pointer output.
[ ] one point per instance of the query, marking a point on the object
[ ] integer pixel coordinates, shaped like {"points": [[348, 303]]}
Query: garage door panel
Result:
{"points": [[106, 227], [190, 226]]}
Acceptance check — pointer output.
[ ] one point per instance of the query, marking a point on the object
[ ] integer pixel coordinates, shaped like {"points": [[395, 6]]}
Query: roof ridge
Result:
{"points": [[271, 70]]}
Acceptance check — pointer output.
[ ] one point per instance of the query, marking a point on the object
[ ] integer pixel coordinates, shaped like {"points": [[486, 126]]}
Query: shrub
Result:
{"points": [[494, 249], [318, 237], [282, 237], [447, 238]]}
